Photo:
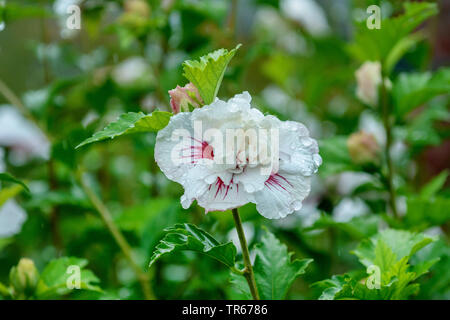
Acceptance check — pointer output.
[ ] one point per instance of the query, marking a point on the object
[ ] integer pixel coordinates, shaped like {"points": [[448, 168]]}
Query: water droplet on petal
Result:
{"points": [[297, 205], [250, 188]]}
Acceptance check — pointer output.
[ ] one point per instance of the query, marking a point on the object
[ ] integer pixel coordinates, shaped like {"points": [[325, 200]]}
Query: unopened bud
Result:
{"points": [[183, 97], [363, 148], [24, 277], [368, 78], [137, 7], [136, 15]]}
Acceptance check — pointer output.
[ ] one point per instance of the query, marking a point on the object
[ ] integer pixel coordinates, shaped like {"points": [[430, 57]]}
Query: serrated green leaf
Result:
{"points": [[274, 269], [385, 258], [402, 243], [390, 251], [131, 122], [330, 287], [424, 267], [207, 72], [410, 90], [53, 280], [189, 237], [4, 176], [436, 286]]}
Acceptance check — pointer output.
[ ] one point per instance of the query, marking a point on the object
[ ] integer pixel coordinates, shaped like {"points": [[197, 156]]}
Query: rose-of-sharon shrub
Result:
{"points": [[277, 185]]}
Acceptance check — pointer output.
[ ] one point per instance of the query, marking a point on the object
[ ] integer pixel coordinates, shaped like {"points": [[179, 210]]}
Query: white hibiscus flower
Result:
{"points": [[277, 182]]}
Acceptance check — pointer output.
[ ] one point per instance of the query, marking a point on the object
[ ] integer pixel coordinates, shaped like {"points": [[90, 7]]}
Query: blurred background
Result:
{"points": [[59, 85]]}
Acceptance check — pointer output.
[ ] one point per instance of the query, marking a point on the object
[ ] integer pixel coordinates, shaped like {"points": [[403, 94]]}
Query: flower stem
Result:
{"points": [[384, 101], [120, 240], [248, 271]]}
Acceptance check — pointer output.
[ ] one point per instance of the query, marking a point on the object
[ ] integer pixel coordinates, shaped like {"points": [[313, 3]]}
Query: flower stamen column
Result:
{"points": [[248, 271]]}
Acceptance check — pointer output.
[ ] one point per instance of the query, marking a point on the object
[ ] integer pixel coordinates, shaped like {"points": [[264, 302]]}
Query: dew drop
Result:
{"points": [[297, 205]]}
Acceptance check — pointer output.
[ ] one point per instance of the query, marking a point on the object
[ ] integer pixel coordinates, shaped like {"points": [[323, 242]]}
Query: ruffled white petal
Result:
{"points": [[252, 179], [299, 152], [221, 197], [169, 153], [283, 194]]}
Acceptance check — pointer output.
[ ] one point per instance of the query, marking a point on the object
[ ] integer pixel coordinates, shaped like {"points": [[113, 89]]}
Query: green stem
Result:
{"points": [[248, 271], [384, 101], [120, 239]]}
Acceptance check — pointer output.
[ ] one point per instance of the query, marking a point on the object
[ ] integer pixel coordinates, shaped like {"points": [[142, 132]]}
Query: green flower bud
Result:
{"points": [[24, 278]]}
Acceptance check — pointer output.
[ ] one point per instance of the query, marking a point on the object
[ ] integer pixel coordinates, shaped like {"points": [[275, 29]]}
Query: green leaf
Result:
{"points": [[422, 213], [207, 72], [136, 218], [4, 290], [390, 251], [337, 156], [189, 237], [436, 184], [4, 176], [357, 227], [131, 122], [274, 269], [402, 243], [8, 193], [377, 44], [5, 242], [332, 287], [13, 11], [422, 131], [53, 280], [437, 286], [400, 49], [411, 90]]}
